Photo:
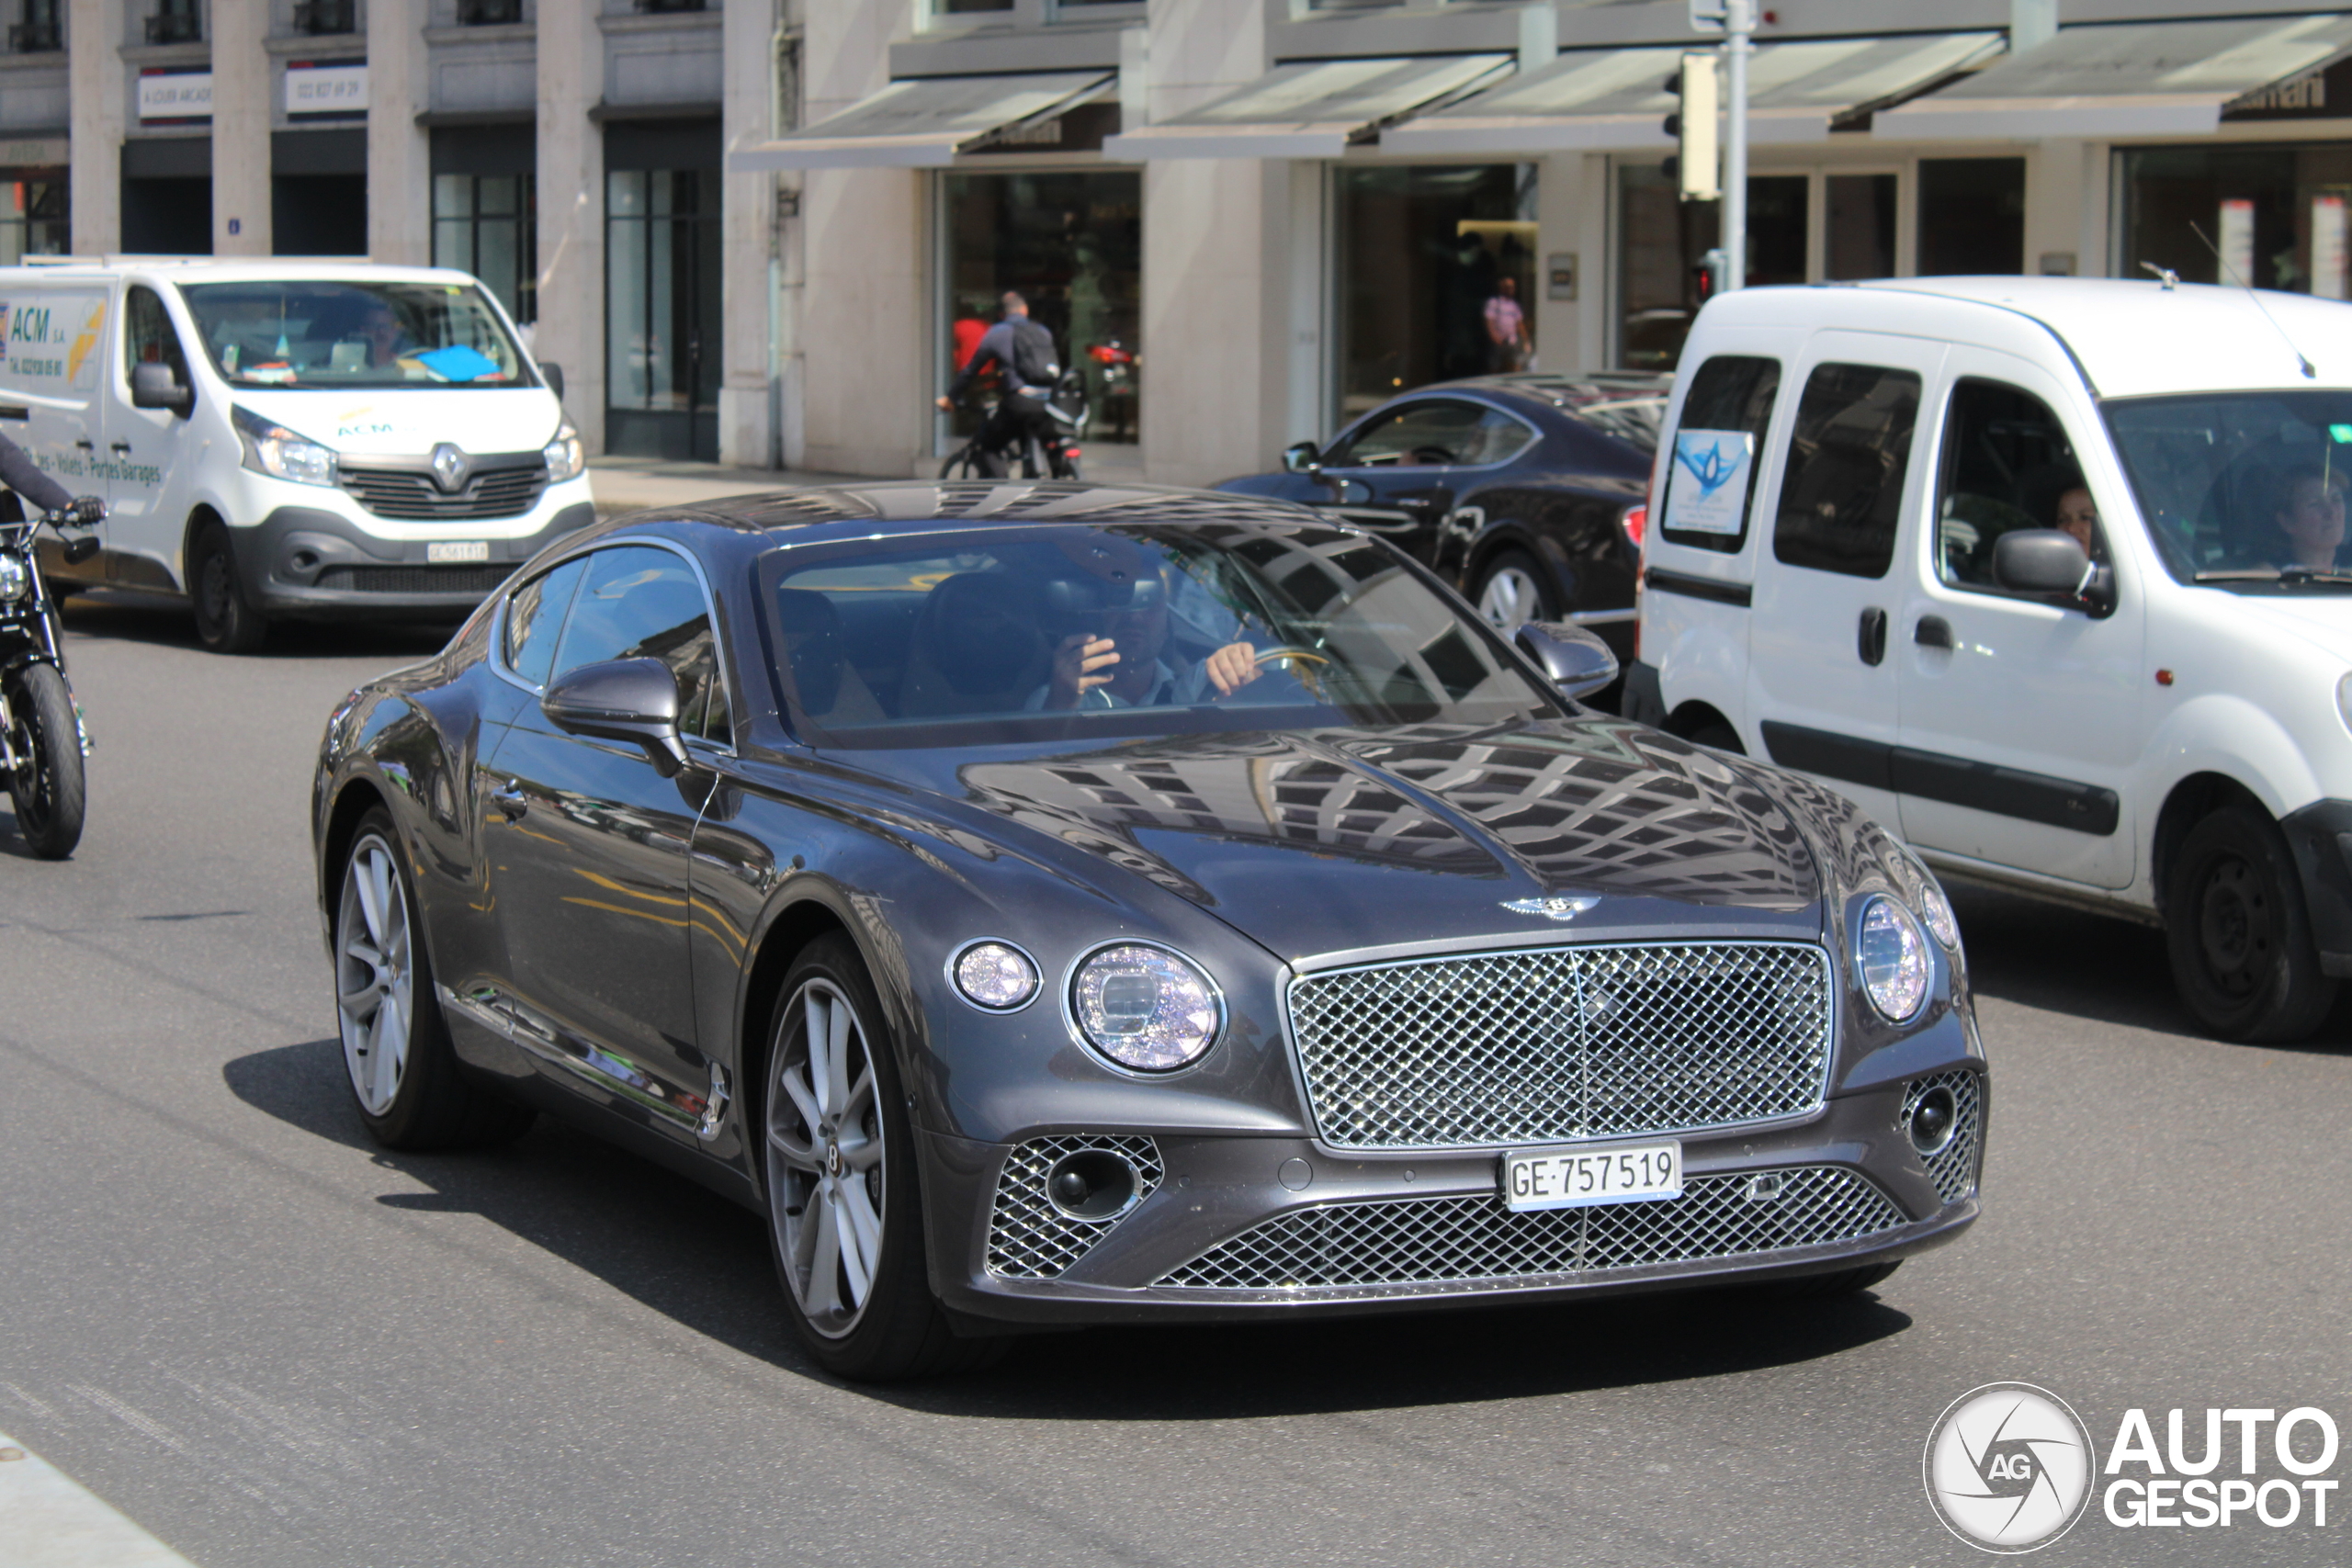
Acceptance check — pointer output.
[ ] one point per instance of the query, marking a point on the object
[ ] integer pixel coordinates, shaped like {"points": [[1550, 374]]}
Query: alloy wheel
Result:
{"points": [[826, 1172], [1510, 599], [375, 981]]}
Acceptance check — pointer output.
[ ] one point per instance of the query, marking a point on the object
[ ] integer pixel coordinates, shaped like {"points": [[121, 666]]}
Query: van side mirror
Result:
{"points": [[1578, 663], [552, 374], [155, 387], [635, 700], [2051, 561], [1302, 457]]}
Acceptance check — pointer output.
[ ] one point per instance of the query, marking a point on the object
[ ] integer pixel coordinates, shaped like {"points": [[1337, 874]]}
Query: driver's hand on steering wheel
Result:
{"points": [[1075, 663], [1230, 667]]}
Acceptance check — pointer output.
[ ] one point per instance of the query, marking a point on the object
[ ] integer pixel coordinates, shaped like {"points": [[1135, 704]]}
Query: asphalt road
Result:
{"points": [[226, 1314]]}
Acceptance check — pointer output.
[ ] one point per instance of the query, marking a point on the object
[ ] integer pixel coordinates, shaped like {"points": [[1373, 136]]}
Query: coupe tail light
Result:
{"points": [[1633, 522]]}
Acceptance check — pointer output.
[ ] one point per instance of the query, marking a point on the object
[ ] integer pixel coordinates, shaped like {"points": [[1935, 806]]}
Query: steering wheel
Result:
{"points": [[1302, 665]]}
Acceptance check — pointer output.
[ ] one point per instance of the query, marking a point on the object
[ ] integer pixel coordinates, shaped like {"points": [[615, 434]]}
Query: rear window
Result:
{"points": [[1711, 482], [1841, 495]]}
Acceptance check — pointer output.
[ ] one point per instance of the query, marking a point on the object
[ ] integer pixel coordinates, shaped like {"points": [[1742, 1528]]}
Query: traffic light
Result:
{"points": [[1696, 166], [1713, 272]]}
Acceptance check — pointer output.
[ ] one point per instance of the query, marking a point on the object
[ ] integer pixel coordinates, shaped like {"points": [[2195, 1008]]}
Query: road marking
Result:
{"points": [[54, 1523]]}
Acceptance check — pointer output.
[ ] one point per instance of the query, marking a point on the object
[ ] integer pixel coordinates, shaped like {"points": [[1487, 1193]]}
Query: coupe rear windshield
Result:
{"points": [[1071, 630], [2244, 490], [335, 334]]}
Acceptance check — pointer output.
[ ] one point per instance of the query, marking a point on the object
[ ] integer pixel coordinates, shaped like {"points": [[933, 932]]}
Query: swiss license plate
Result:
{"points": [[1578, 1179], [448, 551]]}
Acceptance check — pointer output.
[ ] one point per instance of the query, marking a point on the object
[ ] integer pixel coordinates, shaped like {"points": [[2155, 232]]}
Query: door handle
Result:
{"points": [[1869, 638], [510, 802], [121, 447], [1933, 631], [85, 444]]}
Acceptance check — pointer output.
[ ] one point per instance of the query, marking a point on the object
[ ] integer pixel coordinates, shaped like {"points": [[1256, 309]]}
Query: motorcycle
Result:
{"points": [[1058, 453], [42, 742], [1116, 366]]}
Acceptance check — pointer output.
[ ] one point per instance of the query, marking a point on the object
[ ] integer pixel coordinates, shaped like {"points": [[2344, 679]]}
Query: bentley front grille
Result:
{"points": [[1563, 1043], [1029, 1239], [1432, 1241], [410, 494], [1954, 1167]]}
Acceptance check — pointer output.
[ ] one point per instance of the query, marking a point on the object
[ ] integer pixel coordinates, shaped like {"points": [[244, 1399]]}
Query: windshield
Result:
{"points": [[338, 333], [2243, 490], [1077, 632]]}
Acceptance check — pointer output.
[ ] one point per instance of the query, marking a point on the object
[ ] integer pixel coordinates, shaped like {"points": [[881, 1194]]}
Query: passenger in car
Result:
{"points": [[2306, 527]]}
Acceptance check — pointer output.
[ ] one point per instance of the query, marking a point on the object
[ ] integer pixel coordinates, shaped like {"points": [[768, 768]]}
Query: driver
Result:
{"points": [[1122, 659]]}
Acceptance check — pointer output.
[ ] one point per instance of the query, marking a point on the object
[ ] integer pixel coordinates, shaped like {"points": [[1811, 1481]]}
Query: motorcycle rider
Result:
{"points": [[24, 478], [1024, 351]]}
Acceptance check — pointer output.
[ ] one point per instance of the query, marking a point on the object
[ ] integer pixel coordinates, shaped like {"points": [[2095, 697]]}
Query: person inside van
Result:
{"points": [[2306, 525], [2078, 515], [381, 329]]}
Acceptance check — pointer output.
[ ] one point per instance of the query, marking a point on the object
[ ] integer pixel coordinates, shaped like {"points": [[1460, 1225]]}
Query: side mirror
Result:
{"points": [[634, 700], [1304, 457], [154, 387], [2050, 560], [552, 374], [1578, 663]]}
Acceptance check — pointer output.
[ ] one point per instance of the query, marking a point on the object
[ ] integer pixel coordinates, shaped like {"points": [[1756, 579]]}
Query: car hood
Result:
{"points": [[1339, 841], [411, 420], [2320, 616]]}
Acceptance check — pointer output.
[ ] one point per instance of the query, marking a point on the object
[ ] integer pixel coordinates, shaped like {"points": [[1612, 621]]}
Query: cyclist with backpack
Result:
{"points": [[1024, 353]]}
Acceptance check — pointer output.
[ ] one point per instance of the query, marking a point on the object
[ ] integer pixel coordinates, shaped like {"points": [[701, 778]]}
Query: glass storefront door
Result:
{"points": [[1071, 242], [1661, 241], [2276, 215], [32, 216], [1425, 253], [661, 331]]}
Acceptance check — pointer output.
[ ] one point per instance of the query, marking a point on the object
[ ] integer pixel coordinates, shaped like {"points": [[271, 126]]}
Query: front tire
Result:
{"points": [[226, 622], [1513, 590], [49, 787], [2242, 958], [396, 1057], [844, 1210]]}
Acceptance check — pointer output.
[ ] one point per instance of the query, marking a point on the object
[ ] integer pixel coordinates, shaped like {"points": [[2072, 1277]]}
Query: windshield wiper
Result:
{"points": [[2283, 574]]}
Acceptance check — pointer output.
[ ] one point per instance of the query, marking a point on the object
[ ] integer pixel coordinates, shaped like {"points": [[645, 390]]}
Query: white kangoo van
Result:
{"points": [[2044, 573], [279, 439]]}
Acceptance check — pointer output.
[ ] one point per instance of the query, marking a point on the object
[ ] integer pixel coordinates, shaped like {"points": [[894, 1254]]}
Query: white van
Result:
{"points": [[289, 439], [2043, 573]]}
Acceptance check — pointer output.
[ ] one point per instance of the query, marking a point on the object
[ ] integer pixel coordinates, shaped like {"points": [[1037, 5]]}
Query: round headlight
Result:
{"points": [[1936, 909], [15, 580], [1145, 1007], [996, 976], [1893, 959]]}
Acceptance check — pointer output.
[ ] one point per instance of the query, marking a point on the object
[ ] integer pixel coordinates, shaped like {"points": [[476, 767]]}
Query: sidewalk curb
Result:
{"points": [[51, 1521]]}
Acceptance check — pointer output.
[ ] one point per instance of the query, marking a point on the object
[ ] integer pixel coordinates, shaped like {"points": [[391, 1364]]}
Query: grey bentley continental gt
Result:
{"points": [[1052, 905]]}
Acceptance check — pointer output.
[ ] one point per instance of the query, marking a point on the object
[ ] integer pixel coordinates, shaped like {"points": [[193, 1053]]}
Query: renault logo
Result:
{"points": [[450, 467]]}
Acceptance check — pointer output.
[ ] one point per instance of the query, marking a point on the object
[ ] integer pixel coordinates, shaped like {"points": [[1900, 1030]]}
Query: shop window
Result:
{"points": [[1841, 495], [1421, 252], [32, 220], [176, 21], [1662, 240], [2008, 465], [324, 18], [1972, 217], [1071, 244], [1858, 226], [488, 225], [2274, 214], [41, 32]]}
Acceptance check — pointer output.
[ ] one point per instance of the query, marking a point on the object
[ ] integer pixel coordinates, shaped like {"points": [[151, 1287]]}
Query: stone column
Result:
{"points": [[241, 88], [399, 151], [571, 209], [98, 87], [747, 230]]}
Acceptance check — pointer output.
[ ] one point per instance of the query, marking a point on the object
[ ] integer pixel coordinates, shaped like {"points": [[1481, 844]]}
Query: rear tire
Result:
{"points": [[2242, 958], [225, 621], [49, 789]]}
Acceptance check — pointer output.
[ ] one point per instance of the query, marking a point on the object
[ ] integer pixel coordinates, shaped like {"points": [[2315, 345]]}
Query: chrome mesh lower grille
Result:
{"points": [[1031, 1239], [1435, 1240], [1563, 1043], [1954, 1167]]}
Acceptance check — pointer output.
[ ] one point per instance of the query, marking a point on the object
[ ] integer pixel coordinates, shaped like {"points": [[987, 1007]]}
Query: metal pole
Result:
{"points": [[1739, 21]]}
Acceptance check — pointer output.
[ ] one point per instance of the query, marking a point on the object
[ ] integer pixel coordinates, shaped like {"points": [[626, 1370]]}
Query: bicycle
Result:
{"points": [[1068, 410]]}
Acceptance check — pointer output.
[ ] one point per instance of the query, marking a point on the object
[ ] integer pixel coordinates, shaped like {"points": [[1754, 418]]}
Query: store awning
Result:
{"points": [[2140, 79], [1316, 110], [925, 123], [1592, 100]]}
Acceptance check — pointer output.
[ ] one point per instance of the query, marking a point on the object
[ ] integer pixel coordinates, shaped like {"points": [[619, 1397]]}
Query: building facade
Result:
{"points": [[764, 231]]}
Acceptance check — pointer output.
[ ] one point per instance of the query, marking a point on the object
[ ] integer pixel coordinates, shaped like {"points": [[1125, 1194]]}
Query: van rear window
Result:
{"points": [[1842, 492], [1711, 479]]}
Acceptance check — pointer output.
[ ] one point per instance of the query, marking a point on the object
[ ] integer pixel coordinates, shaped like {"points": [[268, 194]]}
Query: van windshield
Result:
{"points": [[339, 333], [2242, 490]]}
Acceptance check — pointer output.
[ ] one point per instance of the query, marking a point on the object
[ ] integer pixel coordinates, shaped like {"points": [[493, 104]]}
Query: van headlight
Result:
{"points": [[1145, 1007], [272, 449], [566, 456], [1893, 956]]}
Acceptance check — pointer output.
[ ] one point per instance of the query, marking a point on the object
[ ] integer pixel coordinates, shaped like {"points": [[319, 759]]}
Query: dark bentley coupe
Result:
{"points": [[1053, 905]]}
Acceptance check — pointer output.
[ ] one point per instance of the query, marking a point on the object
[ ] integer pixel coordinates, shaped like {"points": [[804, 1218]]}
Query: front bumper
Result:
{"points": [[301, 562], [1240, 1227]]}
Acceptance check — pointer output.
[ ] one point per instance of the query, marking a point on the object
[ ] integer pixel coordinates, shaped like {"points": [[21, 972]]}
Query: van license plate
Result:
{"points": [[1578, 1179], [451, 550]]}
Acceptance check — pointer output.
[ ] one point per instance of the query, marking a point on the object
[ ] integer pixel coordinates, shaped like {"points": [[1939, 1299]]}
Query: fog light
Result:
{"points": [[1092, 1184], [1935, 1115], [995, 976]]}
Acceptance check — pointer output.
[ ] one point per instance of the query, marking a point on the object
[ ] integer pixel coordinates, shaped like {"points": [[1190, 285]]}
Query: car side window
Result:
{"points": [[535, 618], [1841, 489], [1498, 439], [1429, 434], [1711, 483], [637, 602], [2006, 464], [148, 337]]}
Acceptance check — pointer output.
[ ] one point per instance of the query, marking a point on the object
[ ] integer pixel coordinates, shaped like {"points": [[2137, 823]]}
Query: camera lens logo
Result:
{"points": [[2008, 1467]]}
